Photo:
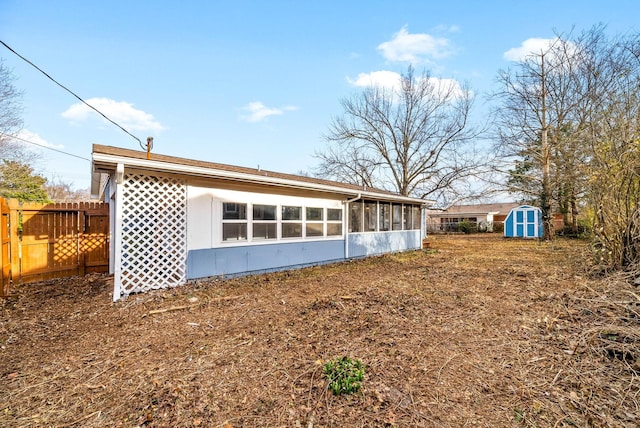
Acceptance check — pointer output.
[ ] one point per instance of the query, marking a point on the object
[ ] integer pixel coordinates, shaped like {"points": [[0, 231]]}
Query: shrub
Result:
{"points": [[465, 226]]}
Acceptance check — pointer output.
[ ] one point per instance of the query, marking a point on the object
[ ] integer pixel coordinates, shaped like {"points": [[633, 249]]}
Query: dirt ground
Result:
{"points": [[476, 331]]}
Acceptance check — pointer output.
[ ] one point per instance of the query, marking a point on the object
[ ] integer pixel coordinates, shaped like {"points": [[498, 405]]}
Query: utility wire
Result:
{"points": [[72, 93], [43, 146]]}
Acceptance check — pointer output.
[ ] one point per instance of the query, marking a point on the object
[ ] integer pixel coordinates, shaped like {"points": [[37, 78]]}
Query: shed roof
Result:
{"points": [[106, 159]]}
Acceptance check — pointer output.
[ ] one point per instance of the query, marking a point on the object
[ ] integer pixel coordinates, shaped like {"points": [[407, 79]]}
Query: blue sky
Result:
{"points": [[252, 83]]}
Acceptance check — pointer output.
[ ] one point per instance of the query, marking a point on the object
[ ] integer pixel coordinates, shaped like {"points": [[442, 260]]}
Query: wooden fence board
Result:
{"points": [[5, 248], [55, 240], [95, 241]]}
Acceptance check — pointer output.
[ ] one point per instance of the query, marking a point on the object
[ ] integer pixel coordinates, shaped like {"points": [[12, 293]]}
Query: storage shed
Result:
{"points": [[523, 222], [175, 219]]}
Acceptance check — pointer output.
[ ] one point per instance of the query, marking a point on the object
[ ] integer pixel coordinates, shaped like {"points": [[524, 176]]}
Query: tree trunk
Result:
{"points": [[545, 198]]}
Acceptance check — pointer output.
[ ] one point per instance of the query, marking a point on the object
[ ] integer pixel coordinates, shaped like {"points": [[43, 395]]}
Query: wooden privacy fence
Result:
{"points": [[45, 241]]}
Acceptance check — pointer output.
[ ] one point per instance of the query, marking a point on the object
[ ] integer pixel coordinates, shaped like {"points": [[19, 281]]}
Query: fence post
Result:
{"points": [[81, 249], [14, 220], [5, 249]]}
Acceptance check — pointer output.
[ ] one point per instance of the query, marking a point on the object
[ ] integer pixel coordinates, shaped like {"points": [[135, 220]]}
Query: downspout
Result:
{"points": [[346, 223]]}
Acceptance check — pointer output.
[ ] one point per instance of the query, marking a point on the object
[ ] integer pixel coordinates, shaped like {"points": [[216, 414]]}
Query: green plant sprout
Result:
{"points": [[345, 375]]}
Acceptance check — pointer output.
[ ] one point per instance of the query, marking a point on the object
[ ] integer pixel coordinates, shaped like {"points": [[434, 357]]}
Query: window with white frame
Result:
{"points": [[265, 224], [384, 209], [314, 225], [396, 217], [406, 217], [291, 222], [234, 221], [416, 217], [355, 217], [334, 222], [370, 216]]}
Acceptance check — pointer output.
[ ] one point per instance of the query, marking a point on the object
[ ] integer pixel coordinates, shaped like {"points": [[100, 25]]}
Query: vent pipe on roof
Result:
{"points": [[149, 146]]}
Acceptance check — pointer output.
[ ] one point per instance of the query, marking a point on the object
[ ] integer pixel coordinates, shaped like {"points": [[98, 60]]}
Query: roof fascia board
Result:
{"points": [[113, 160]]}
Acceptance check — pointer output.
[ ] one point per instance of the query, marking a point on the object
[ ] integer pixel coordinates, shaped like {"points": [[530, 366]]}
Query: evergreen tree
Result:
{"points": [[18, 180]]}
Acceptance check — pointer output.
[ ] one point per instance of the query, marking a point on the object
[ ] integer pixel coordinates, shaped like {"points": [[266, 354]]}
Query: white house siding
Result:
{"points": [[199, 218]]}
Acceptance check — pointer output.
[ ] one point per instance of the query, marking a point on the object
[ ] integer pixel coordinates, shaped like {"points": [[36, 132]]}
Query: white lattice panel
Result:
{"points": [[154, 237]]}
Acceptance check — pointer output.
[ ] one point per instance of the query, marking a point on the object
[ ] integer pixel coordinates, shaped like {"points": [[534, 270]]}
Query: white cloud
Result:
{"points": [[448, 87], [414, 48], [121, 112], [391, 80], [259, 112], [530, 47], [32, 137], [382, 78]]}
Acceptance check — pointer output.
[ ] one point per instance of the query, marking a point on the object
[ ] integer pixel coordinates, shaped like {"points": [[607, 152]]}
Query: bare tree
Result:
{"points": [[415, 140], [585, 93], [614, 138], [60, 191], [11, 121], [538, 121], [10, 97], [10, 114]]}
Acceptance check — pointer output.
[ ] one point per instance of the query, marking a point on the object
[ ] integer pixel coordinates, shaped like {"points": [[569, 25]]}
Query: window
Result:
{"points": [[234, 221], [315, 214], [334, 214], [406, 217], [355, 217], [315, 222], [259, 223], [370, 216], [234, 211], [291, 222], [265, 225], [385, 215], [416, 217], [396, 216], [334, 222]]}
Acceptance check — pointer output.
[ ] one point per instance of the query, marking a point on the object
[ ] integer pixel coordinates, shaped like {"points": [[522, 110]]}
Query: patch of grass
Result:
{"points": [[518, 414], [345, 375]]}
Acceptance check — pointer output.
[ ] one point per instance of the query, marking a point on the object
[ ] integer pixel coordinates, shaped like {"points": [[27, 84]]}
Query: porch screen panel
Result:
{"points": [[154, 233]]}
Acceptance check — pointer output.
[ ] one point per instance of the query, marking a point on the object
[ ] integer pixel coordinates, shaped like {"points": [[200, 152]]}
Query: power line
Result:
{"points": [[44, 147], [72, 93]]}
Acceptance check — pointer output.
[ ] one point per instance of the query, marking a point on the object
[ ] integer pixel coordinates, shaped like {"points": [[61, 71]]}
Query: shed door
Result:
{"points": [[525, 222], [531, 224], [519, 223]]}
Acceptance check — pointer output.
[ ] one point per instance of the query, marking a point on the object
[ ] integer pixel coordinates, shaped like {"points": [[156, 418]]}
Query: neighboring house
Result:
{"points": [[483, 216], [175, 219]]}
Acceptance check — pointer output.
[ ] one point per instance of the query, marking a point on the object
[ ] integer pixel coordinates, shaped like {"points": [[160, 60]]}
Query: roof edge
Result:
{"points": [[104, 156]]}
